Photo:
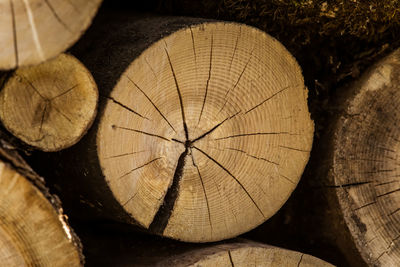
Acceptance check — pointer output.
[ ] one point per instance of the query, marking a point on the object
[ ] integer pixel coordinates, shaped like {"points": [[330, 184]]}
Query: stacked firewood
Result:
{"points": [[191, 129]]}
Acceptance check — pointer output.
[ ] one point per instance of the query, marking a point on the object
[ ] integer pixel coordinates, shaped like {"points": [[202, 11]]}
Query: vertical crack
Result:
{"points": [[179, 95], [204, 191], [14, 33], [164, 213], [237, 82], [230, 258], [208, 79]]}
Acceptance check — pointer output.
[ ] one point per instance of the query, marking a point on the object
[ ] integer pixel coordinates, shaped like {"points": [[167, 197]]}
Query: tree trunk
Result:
{"points": [[361, 163], [49, 106], [32, 31], [33, 228], [202, 135]]}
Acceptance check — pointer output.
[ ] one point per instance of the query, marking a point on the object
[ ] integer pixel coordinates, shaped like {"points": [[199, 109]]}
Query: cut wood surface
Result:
{"points": [[123, 249], [364, 163], [245, 253], [32, 31], [201, 135], [49, 106], [33, 228]]}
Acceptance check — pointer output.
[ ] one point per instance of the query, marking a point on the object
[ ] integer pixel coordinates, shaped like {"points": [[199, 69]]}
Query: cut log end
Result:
{"points": [[365, 165], [244, 254], [32, 233], [49, 106], [33, 31], [207, 133]]}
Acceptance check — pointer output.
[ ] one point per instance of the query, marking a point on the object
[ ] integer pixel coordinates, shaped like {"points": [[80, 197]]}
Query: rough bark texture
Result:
{"points": [[360, 164]]}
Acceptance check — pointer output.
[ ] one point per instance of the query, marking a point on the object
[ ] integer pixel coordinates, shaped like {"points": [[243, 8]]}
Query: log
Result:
{"points": [[49, 106], [361, 163], [33, 228], [136, 250], [33, 31], [203, 130], [245, 253]]}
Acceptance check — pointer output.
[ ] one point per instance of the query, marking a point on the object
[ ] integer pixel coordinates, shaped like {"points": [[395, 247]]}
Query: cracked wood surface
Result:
{"points": [[219, 113], [32, 31], [365, 168], [49, 106], [243, 253]]}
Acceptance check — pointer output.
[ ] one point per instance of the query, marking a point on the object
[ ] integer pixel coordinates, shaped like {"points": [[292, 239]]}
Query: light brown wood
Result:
{"points": [[245, 253], [364, 164], [32, 31], [49, 106], [207, 132], [33, 230]]}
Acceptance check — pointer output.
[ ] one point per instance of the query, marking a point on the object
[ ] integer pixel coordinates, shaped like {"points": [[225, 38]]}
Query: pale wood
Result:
{"points": [[245, 253], [51, 105], [32, 31], [232, 78], [242, 99], [33, 228], [364, 163]]}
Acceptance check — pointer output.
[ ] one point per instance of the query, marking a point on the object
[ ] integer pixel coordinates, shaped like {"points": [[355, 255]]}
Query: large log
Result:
{"points": [[49, 106], [32, 31], [33, 229], [201, 135], [361, 163]]}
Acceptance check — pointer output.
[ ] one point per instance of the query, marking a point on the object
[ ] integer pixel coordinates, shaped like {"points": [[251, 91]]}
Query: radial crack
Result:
{"points": [[234, 178], [204, 191], [125, 107], [301, 259], [137, 168], [31, 85], [14, 33], [126, 154], [179, 95], [267, 99], [214, 128], [65, 92], [161, 218], [250, 134], [235, 49], [237, 82], [141, 132], [154, 105], [366, 205], [56, 15], [208, 80], [296, 149], [230, 258], [388, 193], [252, 156]]}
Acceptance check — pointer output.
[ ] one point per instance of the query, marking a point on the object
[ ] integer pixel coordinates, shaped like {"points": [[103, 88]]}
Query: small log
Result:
{"points": [[361, 163], [33, 31], [202, 135], [33, 229], [49, 106]]}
